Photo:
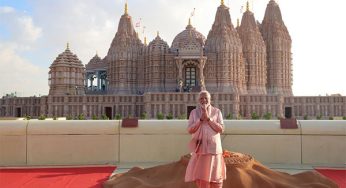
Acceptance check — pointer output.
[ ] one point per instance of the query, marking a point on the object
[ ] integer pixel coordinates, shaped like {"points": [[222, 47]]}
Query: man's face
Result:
{"points": [[204, 100]]}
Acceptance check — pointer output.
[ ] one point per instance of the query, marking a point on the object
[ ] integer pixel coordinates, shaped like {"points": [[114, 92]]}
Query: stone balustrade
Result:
{"points": [[91, 142]]}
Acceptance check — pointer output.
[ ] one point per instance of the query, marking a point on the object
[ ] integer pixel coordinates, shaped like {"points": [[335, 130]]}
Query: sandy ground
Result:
{"points": [[243, 171]]}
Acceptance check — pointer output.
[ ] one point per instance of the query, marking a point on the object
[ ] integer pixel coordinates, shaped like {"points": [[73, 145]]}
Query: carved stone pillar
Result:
{"points": [[180, 66], [201, 64]]}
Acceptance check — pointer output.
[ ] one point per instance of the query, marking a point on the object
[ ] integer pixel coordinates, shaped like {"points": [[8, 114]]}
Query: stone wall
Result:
{"points": [[106, 142]]}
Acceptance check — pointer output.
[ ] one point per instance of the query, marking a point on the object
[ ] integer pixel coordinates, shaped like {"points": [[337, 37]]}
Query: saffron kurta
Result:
{"points": [[206, 162]]}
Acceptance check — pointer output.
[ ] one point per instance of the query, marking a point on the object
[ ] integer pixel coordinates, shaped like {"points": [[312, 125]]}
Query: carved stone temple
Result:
{"points": [[247, 68]]}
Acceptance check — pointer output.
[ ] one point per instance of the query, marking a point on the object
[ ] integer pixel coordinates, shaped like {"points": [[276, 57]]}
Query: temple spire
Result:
{"points": [[222, 2], [145, 40], [126, 8], [238, 22], [247, 6], [189, 21], [67, 46], [158, 34]]}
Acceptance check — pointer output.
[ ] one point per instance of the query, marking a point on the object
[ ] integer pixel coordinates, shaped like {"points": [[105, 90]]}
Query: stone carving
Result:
{"points": [[278, 43], [66, 75], [254, 51]]}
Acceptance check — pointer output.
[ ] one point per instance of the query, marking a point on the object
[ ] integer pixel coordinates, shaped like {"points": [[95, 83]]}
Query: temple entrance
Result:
{"points": [[18, 112], [190, 76], [288, 112], [108, 112], [189, 109]]}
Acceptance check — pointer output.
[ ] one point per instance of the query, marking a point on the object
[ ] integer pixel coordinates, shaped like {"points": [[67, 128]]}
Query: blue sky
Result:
{"points": [[34, 32], [21, 5]]}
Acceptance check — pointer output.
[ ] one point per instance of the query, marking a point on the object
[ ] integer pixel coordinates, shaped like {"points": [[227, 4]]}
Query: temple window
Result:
{"points": [[190, 76]]}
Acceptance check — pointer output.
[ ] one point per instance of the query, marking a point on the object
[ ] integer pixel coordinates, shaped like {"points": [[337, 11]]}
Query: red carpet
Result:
{"points": [[85, 177], [337, 175]]}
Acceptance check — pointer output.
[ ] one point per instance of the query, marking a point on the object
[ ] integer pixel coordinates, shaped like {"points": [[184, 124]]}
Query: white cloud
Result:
{"points": [[6, 10], [21, 28], [18, 74], [29, 31]]}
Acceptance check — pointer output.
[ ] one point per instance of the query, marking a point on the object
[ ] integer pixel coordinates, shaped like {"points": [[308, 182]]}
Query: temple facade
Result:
{"points": [[251, 58], [247, 68]]}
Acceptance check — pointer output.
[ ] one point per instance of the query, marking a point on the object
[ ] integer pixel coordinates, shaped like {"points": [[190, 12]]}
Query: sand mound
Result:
{"points": [[242, 172]]}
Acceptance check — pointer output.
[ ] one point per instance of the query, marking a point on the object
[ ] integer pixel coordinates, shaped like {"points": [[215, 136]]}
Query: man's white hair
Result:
{"points": [[204, 92]]}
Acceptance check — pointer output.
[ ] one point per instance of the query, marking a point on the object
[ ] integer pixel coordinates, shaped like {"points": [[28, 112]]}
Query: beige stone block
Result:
{"points": [[153, 148], [158, 127], [13, 142], [72, 149], [12, 150], [13, 127], [318, 149], [257, 127], [83, 127], [284, 149], [323, 127]]}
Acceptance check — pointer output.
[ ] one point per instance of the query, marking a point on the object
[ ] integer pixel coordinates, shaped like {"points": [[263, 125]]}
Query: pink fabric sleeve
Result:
{"points": [[194, 124], [217, 124]]}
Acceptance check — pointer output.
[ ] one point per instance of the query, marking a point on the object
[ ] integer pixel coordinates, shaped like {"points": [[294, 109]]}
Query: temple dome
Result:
{"points": [[96, 63], [96, 59], [158, 44], [66, 75], [67, 58], [190, 37]]}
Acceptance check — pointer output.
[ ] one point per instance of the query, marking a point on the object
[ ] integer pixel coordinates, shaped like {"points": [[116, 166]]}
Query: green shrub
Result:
{"points": [[160, 116], [229, 116], [81, 117], [143, 116], [55, 118], [331, 118], [69, 117], [344, 118], [118, 116], [254, 115], [267, 116], [27, 117], [94, 117], [42, 117], [169, 116], [182, 116], [104, 117], [306, 117], [239, 117], [319, 117]]}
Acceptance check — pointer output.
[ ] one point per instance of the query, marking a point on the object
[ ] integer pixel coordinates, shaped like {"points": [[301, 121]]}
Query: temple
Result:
{"points": [[247, 68]]}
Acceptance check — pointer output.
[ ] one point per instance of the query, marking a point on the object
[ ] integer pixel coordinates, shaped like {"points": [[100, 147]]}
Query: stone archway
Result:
{"points": [[193, 68]]}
